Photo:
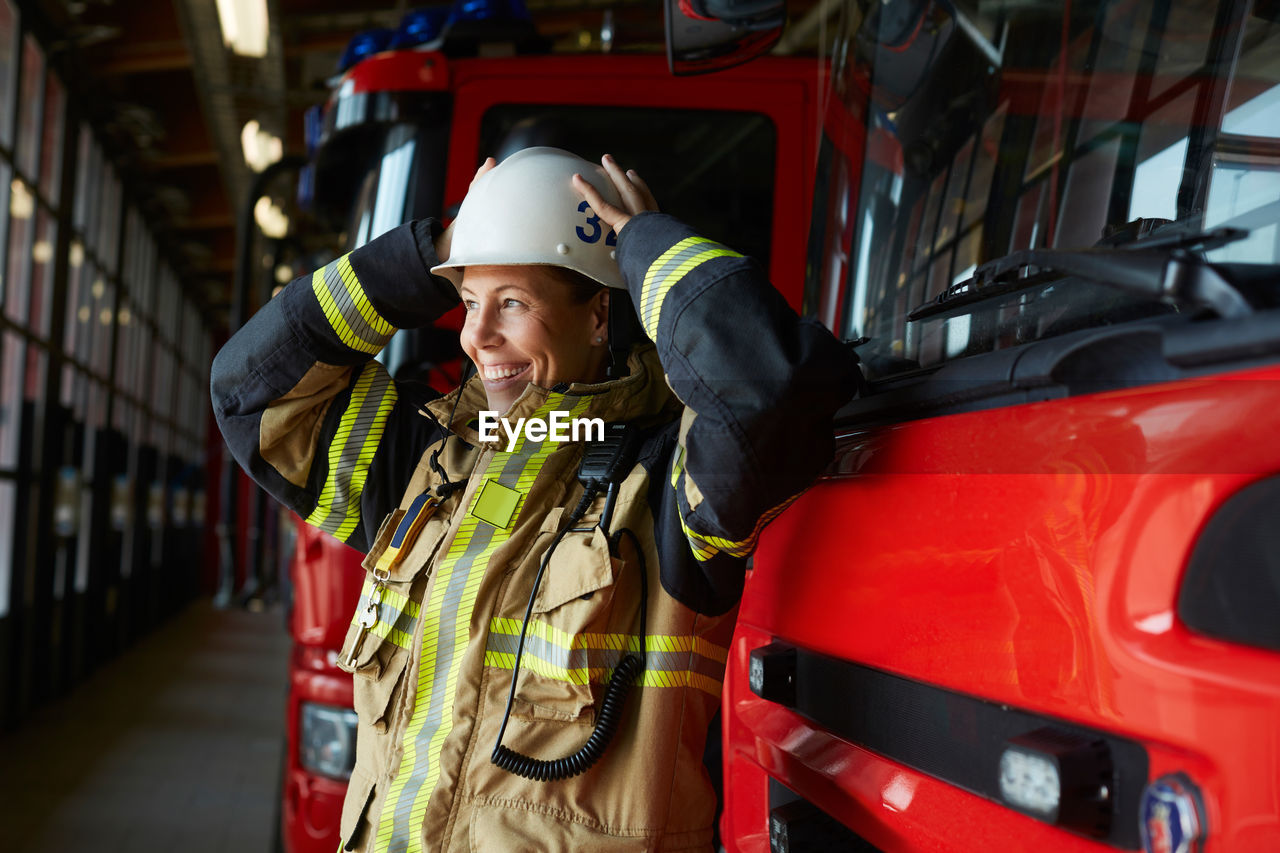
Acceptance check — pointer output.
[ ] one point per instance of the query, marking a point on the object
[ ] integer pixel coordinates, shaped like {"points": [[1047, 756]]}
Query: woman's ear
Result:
{"points": [[600, 317]]}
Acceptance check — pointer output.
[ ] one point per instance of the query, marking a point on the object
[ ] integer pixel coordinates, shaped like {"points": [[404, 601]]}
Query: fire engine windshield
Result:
{"points": [[710, 168], [403, 181], [998, 127]]}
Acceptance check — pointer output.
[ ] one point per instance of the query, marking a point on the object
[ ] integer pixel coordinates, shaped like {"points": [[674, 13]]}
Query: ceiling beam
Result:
{"points": [[143, 58], [204, 221]]}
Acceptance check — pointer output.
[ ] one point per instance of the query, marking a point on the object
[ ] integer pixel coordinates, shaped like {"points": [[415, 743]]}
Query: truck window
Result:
{"points": [[403, 181], [713, 170], [1012, 128]]}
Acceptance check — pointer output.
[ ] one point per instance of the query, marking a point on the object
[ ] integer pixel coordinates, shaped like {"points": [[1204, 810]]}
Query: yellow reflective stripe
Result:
{"points": [[674, 660], [462, 633], [399, 602], [354, 320], [579, 675], [391, 611], [602, 675], [582, 676], [403, 639], [419, 768], [402, 603], [423, 700], [671, 266], [660, 292], [360, 299], [705, 547], [700, 550], [351, 452], [611, 642]]}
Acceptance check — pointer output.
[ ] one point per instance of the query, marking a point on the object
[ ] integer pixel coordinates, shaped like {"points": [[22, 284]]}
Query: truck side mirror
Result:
{"points": [[709, 35]]}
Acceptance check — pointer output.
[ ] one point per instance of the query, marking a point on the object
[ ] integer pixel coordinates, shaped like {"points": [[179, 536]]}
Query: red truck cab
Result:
{"points": [[1033, 603]]}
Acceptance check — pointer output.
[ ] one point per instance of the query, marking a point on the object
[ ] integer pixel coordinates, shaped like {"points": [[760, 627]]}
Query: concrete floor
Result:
{"points": [[176, 745]]}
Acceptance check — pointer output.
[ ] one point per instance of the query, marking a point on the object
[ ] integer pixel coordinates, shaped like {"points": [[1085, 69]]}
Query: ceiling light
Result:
{"points": [[270, 218], [261, 148], [21, 202], [244, 26]]}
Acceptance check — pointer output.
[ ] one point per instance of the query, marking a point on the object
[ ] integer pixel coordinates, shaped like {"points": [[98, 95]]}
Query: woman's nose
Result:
{"points": [[482, 325]]}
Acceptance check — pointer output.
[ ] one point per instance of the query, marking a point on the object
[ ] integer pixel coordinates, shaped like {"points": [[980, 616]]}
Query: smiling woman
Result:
{"points": [[524, 324], [510, 605]]}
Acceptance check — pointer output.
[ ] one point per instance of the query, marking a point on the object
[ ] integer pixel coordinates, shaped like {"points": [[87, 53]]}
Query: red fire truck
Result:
{"points": [[1035, 602]]}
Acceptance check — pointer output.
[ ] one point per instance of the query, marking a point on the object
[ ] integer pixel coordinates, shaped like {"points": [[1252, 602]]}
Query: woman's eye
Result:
{"points": [[468, 304], [511, 303]]}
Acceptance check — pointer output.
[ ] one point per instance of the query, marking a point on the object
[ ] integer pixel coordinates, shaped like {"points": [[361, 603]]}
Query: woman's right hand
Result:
{"points": [[633, 191], [445, 241]]}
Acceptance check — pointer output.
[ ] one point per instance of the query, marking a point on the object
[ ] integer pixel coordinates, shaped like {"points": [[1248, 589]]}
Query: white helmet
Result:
{"points": [[526, 211]]}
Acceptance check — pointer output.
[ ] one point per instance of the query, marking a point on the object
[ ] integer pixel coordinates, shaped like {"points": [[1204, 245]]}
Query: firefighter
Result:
{"points": [[539, 645]]}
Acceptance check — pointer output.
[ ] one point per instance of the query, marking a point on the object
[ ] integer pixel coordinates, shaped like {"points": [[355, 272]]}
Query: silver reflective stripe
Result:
{"points": [[661, 268], [351, 451], [396, 625], [594, 656], [340, 280], [406, 819], [446, 619]]}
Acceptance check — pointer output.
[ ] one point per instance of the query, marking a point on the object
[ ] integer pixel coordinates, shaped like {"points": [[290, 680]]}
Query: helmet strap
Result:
{"points": [[624, 332]]}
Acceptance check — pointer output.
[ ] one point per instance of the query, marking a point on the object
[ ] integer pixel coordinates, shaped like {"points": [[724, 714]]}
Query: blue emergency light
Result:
{"points": [[420, 26], [365, 44], [472, 11]]}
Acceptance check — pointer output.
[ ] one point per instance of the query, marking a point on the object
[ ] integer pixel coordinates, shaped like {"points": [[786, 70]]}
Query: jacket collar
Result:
{"points": [[642, 396]]}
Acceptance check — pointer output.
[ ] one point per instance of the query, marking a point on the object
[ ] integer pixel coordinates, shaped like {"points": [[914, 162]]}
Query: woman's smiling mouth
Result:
{"points": [[503, 375]]}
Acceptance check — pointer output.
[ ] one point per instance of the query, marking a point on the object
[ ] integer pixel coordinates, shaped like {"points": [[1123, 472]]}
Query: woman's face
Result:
{"points": [[522, 326]]}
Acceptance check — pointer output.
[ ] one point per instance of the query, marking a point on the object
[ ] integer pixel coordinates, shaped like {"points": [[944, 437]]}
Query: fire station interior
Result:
{"points": [[1045, 230], [150, 163]]}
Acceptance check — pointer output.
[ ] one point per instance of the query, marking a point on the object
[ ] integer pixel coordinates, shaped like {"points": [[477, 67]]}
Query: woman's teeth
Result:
{"points": [[502, 372]]}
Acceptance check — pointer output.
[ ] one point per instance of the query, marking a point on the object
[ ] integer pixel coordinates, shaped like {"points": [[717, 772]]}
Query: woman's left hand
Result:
{"points": [[632, 189]]}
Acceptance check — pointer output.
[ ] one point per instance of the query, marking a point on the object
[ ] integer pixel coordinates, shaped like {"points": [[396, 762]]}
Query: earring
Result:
{"points": [[599, 340]]}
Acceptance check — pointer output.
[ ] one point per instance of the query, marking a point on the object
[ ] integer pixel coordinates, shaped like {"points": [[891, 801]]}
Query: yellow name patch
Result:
{"points": [[496, 504]]}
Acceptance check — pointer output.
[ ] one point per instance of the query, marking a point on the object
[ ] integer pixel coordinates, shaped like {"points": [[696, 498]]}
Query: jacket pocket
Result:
{"points": [[567, 649], [386, 615], [383, 625], [360, 791], [579, 568], [374, 696]]}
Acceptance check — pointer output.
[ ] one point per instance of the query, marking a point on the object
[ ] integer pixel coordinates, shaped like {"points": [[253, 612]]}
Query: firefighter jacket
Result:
{"points": [[734, 404]]}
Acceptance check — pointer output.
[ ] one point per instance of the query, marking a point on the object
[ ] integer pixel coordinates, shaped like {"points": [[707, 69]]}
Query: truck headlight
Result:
{"points": [[1030, 782], [1061, 778], [327, 740]]}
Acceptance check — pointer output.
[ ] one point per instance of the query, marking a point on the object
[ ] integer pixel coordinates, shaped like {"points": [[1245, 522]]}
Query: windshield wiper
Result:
{"points": [[1163, 268]]}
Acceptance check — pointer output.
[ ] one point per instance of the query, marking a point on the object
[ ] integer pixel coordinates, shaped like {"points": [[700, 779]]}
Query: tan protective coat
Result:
{"points": [[649, 791]]}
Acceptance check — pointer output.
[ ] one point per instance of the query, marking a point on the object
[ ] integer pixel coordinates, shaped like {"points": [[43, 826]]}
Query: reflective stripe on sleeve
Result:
{"points": [[671, 266], [351, 451], [347, 308], [705, 546]]}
